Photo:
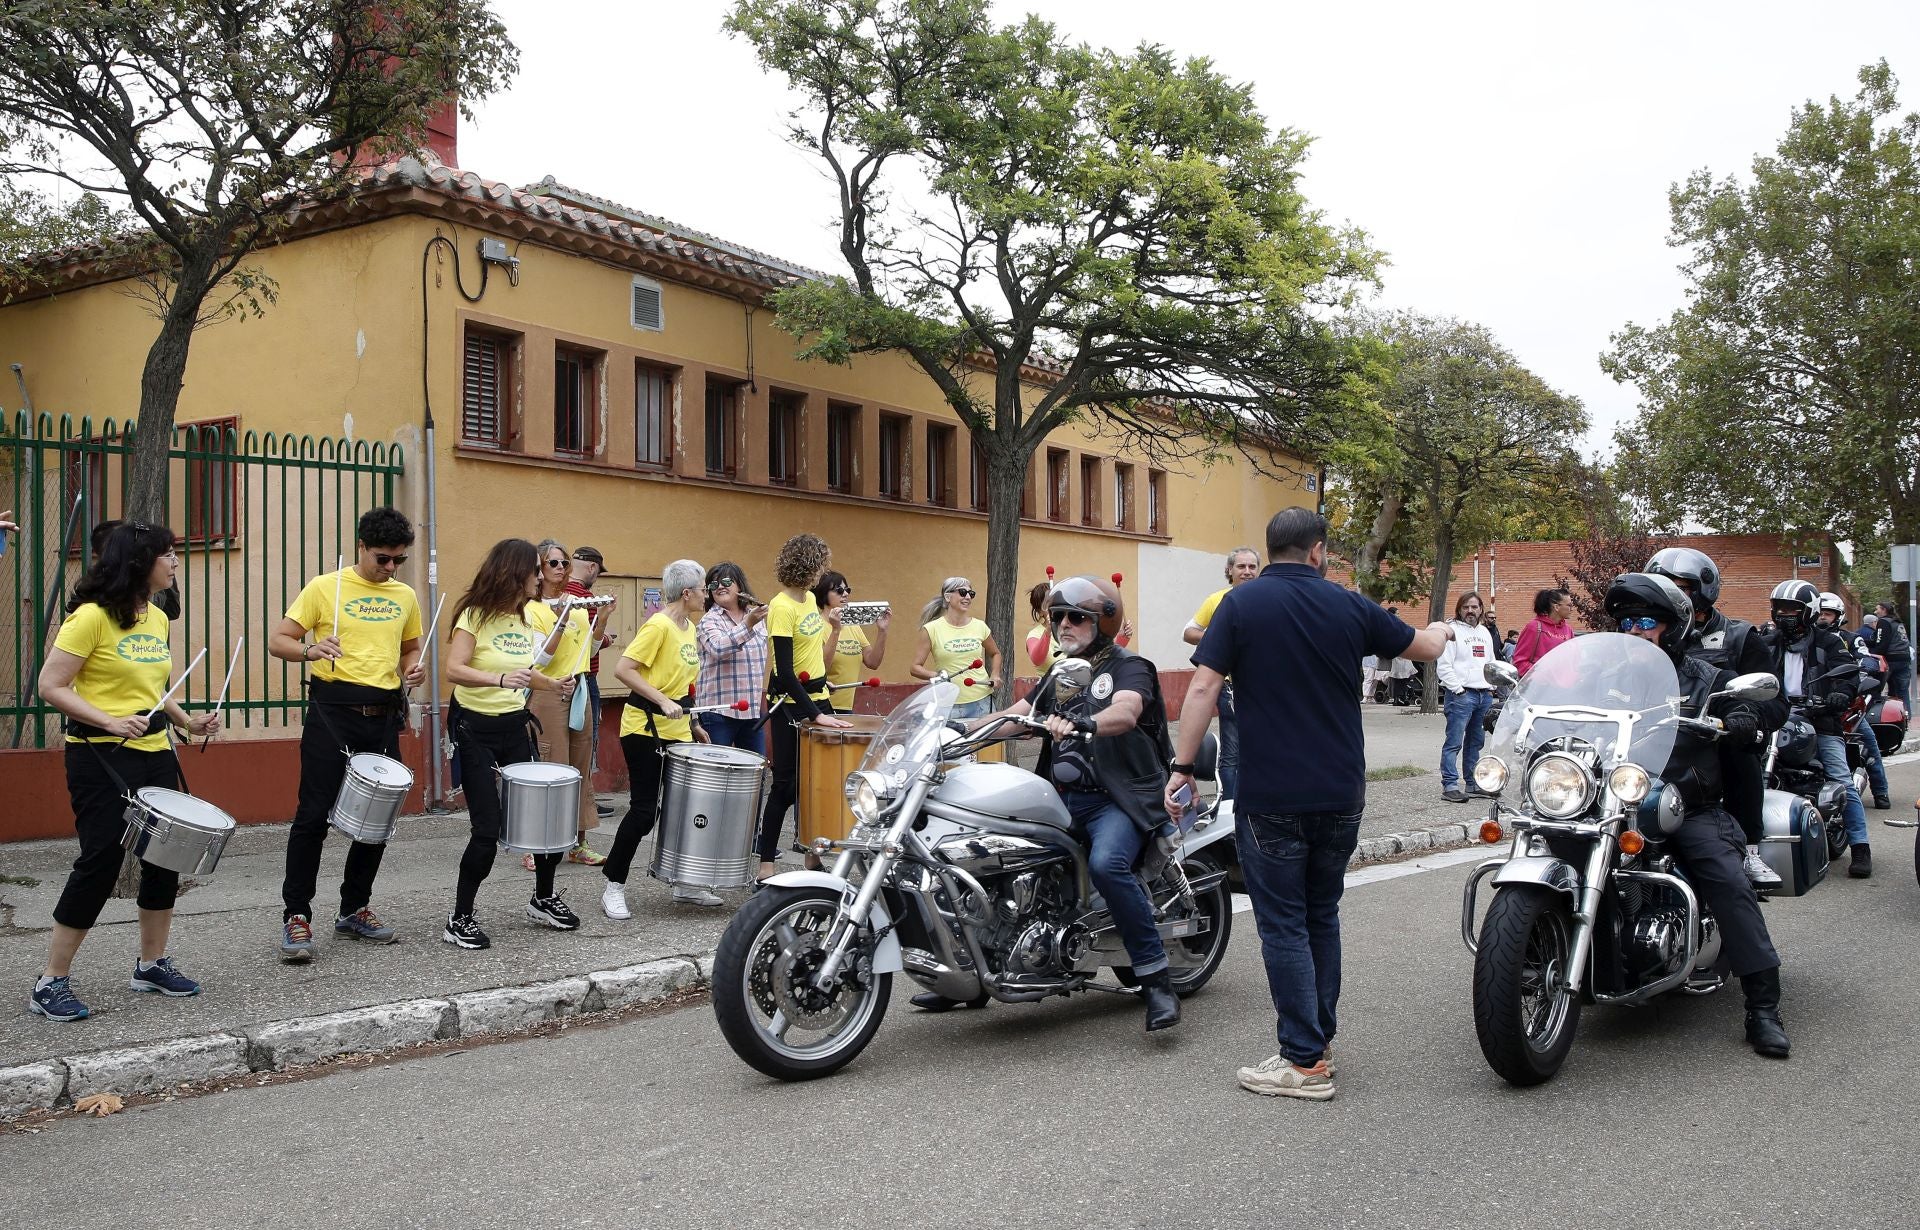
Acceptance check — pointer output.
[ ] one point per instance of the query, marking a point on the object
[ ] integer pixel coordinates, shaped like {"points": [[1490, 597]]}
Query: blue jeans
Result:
{"points": [[1876, 771], [1114, 843], [1900, 680], [1833, 758], [1296, 868], [1229, 770], [1466, 710], [724, 731], [974, 708]]}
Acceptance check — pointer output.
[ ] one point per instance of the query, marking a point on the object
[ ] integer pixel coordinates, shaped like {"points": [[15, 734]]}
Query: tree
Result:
{"points": [[1596, 562], [216, 120], [1126, 224], [1786, 394], [30, 224]]}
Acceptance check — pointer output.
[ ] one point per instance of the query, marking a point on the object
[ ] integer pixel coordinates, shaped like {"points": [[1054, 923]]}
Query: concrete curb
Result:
{"points": [[1417, 841], [275, 1046]]}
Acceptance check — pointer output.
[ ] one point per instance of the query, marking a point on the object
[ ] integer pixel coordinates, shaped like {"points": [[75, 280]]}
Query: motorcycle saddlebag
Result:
{"points": [[1793, 842]]}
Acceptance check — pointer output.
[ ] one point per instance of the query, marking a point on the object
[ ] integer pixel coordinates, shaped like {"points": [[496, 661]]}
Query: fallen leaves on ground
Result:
{"points": [[99, 1105]]}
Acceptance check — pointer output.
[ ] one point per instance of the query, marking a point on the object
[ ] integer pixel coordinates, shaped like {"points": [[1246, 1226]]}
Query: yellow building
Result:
{"points": [[604, 378]]}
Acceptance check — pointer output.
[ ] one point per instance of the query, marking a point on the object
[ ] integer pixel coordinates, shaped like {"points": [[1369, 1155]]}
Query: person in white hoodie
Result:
{"points": [[1466, 695]]}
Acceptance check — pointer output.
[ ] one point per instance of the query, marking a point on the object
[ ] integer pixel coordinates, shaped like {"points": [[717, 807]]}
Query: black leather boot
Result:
{"points": [[1764, 1030], [1862, 865], [1163, 1006], [932, 1001]]}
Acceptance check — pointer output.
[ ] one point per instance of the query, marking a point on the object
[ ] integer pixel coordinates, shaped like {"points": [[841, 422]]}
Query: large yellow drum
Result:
{"points": [[826, 757]]}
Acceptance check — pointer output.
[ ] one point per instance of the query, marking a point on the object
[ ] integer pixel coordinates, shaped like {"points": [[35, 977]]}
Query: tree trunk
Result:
{"points": [[1366, 568], [1437, 607], [1006, 479], [160, 383]]}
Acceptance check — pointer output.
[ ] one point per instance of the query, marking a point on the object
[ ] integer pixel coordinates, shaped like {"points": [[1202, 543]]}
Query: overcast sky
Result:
{"points": [[1512, 160]]}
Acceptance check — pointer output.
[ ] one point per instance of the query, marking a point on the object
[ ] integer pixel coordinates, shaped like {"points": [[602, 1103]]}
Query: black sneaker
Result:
{"points": [[553, 912], [603, 810], [1453, 796], [1882, 803], [1862, 866], [464, 932]]}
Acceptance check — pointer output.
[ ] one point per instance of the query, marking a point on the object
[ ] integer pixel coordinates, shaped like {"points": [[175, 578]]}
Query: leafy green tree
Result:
{"points": [[32, 223], [1126, 227], [215, 120], [1786, 393]]}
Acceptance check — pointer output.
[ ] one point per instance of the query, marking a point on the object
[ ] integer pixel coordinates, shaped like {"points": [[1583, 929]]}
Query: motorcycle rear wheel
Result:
{"points": [[1523, 1010], [762, 992], [1216, 906]]}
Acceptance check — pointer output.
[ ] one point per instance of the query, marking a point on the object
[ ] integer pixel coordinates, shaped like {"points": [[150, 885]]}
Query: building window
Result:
{"points": [[1156, 501], [576, 400], [652, 415], [843, 446], [979, 493], [1058, 479], [723, 427], [486, 392], [940, 442], [1089, 491], [783, 438], [1123, 495], [893, 456], [213, 481]]}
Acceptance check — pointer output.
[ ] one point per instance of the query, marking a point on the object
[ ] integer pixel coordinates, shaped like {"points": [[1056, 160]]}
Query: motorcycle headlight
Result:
{"points": [[1490, 774], [866, 795], [1629, 784], [1559, 786]]}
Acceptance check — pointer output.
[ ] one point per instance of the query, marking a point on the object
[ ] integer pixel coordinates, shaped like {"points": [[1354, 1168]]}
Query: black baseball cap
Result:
{"points": [[591, 555]]}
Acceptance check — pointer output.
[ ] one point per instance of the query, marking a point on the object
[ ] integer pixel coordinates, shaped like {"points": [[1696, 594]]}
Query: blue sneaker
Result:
{"points": [[162, 977], [363, 924], [56, 1002]]}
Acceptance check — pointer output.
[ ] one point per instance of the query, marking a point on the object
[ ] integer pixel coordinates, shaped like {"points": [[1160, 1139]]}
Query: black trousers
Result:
{"points": [[1710, 848], [1744, 769], [323, 765], [487, 742], [644, 768], [785, 790], [100, 821]]}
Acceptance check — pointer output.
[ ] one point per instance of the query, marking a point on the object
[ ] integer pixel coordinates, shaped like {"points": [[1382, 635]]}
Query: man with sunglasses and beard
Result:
{"points": [[366, 646]]}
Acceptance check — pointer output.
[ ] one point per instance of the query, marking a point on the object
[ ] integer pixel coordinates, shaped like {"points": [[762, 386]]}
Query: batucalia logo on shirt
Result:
{"points": [[143, 648], [811, 624], [689, 655], [375, 610], [513, 644]]}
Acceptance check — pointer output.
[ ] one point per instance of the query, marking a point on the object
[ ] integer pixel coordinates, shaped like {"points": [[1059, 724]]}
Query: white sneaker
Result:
{"points": [[1758, 873], [613, 900], [1276, 1078], [696, 896]]}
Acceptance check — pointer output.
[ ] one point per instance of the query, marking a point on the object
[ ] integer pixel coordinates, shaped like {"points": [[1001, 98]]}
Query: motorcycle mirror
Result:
{"points": [[1757, 686], [1502, 674], [1070, 675]]}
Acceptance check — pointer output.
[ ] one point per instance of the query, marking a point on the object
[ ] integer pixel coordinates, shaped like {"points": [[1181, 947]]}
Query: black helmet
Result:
{"points": [[1790, 594], [1090, 596], [1646, 593], [1694, 567]]}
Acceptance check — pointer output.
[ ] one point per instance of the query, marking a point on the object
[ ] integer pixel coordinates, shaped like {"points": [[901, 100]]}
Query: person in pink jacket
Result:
{"points": [[1547, 628]]}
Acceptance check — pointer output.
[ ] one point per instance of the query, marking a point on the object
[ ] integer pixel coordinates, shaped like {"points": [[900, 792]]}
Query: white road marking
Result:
{"points": [[1393, 871]]}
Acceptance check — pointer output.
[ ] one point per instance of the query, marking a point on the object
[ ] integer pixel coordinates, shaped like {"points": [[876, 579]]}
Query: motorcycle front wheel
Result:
{"points": [[769, 1011], [1523, 1009]]}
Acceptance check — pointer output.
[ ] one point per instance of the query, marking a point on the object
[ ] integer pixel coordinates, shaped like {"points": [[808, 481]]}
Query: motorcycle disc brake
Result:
{"points": [[794, 993]]}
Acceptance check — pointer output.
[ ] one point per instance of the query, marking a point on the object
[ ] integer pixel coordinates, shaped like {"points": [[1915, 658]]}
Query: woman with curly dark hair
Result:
{"points": [[798, 634], [108, 669]]}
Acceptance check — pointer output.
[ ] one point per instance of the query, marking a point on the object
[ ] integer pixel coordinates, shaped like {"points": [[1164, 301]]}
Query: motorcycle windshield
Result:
{"points": [[912, 735], [1611, 673]]}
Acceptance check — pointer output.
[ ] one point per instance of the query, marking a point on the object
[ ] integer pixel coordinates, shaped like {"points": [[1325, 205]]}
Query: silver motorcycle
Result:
{"points": [[962, 875], [1589, 905]]}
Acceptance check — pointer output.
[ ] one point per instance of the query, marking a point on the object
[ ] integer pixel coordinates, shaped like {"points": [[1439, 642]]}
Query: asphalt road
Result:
{"points": [[1066, 1114]]}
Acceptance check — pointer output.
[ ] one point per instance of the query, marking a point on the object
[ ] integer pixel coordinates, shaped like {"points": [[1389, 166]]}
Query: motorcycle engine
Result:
{"points": [[1034, 935], [1656, 944]]}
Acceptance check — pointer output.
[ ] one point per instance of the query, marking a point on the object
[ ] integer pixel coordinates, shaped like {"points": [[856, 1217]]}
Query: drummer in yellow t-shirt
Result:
{"points": [[355, 704], [796, 635], [1243, 564], [560, 740], [659, 669], [853, 653], [951, 641], [107, 671]]}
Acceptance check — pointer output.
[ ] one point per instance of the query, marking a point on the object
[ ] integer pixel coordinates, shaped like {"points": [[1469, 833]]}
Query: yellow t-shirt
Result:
{"points": [[501, 645], [669, 658], [570, 655], [375, 619], [848, 665], [124, 671], [956, 649], [803, 622], [1204, 615]]}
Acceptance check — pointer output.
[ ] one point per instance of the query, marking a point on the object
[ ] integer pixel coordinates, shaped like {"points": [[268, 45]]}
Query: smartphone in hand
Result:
{"points": [[1188, 806]]}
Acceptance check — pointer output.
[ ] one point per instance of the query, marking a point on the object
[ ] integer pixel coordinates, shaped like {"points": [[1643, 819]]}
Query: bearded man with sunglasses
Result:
{"points": [[365, 651]]}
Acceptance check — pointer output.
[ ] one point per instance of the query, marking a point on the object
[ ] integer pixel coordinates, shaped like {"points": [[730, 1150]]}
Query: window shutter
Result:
{"points": [[480, 394], [647, 309]]}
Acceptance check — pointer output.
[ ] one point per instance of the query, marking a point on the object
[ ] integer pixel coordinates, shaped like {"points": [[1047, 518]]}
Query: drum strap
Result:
{"points": [[319, 707], [83, 730], [650, 709]]}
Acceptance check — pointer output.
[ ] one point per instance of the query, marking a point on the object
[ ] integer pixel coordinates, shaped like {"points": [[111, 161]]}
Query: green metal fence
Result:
{"points": [[257, 516]]}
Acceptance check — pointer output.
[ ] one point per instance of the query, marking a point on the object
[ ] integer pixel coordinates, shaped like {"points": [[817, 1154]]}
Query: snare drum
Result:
{"points": [[176, 831], [540, 807], [368, 804], [709, 801]]}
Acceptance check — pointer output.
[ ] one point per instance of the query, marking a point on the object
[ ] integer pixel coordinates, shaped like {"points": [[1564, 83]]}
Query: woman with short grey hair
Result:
{"points": [[659, 669]]}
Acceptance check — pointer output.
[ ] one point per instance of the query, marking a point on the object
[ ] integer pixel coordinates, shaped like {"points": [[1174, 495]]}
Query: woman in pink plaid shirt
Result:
{"points": [[733, 659]]}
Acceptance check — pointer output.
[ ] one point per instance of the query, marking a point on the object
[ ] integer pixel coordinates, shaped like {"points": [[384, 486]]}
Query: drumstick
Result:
{"points": [[339, 575], [858, 683], [176, 683], [738, 706], [219, 706], [432, 628]]}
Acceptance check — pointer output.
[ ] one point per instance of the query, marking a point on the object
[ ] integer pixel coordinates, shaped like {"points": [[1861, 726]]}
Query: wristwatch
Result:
{"points": [[1177, 767]]}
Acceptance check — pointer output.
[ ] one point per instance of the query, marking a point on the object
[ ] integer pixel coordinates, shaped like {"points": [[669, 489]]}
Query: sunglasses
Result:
{"points": [[842, 589], [717, 586], [552, 563], [1639, 623], [382, 559], [1076, 618], [964, 593]]}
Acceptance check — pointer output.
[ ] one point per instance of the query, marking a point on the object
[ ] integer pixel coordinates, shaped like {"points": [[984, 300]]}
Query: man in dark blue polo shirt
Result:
{"points": [[1291, 641]]}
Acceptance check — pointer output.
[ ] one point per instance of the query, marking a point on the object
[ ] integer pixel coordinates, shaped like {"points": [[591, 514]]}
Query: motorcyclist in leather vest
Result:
{"points": [[1734, 645], [1708, 844], [1107, 755], [1814, 664], [1831, 613]]}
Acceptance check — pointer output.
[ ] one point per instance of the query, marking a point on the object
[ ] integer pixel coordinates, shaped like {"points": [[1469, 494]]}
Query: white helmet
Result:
{"points": [[1831, 602]]}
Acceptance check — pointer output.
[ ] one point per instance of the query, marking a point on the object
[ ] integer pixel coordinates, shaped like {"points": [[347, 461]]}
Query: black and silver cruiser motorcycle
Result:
{"points": [[1588, 906], [964, 877]]}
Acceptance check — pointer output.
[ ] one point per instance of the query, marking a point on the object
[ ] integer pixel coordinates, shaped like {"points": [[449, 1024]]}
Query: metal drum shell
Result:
{"points": [[185, 836], [709, 805], [539, 807], [367, 808]]}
